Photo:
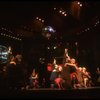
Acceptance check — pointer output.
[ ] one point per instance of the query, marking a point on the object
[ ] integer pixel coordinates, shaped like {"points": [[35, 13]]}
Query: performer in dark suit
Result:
{"points": [[69, 67], [65, 74]]}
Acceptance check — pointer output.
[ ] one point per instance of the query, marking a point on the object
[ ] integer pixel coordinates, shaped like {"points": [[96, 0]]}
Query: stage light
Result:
{"points": [[54, 47], [60, 11], [54, 8], [48, 47], [51, 29], [65, 14], [42, 20], [76, 43], [48, 31], [37, 18], [78, 3]]}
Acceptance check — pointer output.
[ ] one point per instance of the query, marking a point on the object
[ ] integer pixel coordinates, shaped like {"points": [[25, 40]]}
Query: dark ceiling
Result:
{"points": [[16, 14]]}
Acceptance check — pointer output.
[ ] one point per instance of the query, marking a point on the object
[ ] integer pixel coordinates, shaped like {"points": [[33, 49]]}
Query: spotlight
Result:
{"points": [[80, 5], [42, 20], [54, 47], [54, 8], [48, 47], [60, 11], [46, 29], [65, 14], [37, 18]]}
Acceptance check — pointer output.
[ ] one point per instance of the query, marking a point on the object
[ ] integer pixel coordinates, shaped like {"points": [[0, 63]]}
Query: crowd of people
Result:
{"points": [[67, 75]]}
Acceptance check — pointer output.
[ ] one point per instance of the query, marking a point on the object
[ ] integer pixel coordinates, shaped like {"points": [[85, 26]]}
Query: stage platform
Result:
{"points": [[48, 93]]}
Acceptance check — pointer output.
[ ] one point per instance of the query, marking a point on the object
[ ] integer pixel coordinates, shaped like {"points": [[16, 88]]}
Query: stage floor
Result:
{"points": [[48, 93], [62, 89]]}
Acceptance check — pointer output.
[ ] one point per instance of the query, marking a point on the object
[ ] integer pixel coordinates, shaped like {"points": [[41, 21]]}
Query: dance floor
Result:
{"points": [[48, 93]]}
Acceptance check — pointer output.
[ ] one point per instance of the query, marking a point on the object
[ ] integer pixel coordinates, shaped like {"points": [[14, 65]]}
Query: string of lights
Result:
{"points": [[61, 11], [97, 22], [39, 19], [8, 33], [5, 35]]}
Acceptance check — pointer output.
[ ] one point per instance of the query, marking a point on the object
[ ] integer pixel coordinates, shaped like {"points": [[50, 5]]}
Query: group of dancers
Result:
{"points": [[69, 75], [65, 76]]}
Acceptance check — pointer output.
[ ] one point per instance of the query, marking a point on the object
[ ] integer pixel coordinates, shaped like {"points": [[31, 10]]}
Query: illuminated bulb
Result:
{"points": [[50, 29], [48, 47], [39, 19], [54, 8], [36, 17], [55, 47], [88, 28], [65, 14], [76, 43], [60, 11], [78, 3], [45, 29], [42, 20]]}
